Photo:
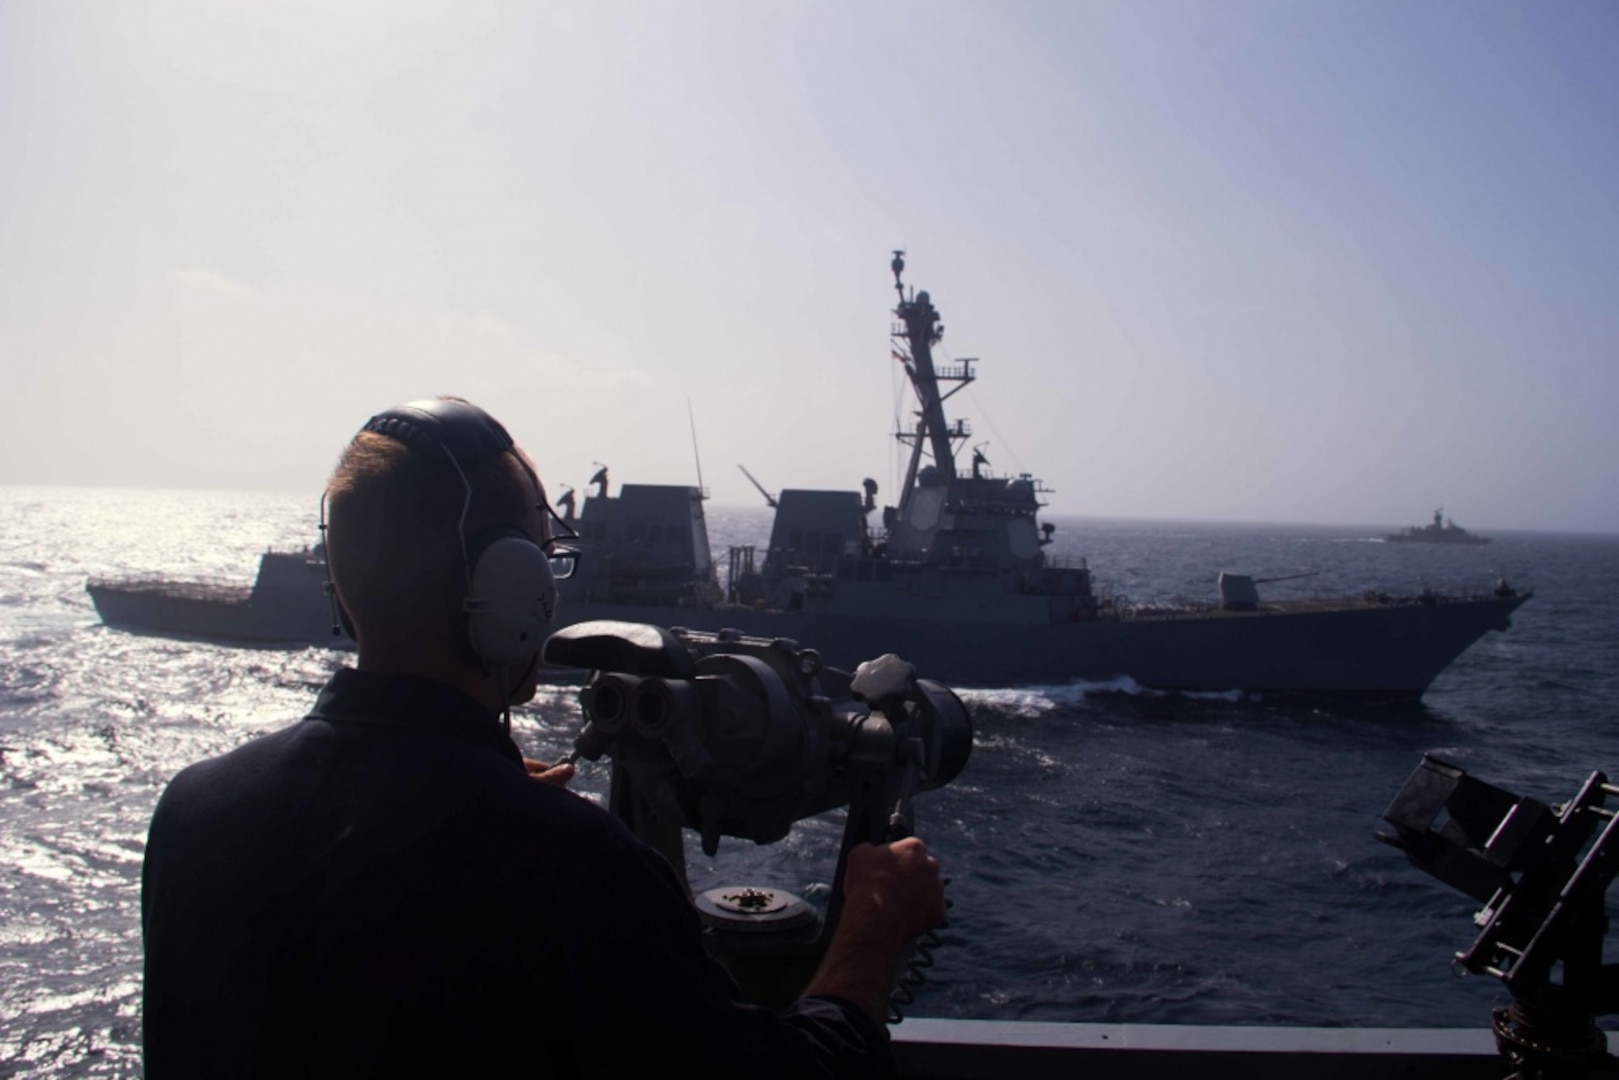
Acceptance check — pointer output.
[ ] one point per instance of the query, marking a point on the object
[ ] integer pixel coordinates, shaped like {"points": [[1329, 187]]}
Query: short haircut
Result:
{"points": [[392, 528]]}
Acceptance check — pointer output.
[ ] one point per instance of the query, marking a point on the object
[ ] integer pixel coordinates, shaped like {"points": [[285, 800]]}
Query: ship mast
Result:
{"points": [[919, 329]]}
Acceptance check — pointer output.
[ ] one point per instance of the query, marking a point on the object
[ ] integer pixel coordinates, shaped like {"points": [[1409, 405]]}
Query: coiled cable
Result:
{"points": [[918, 959]]}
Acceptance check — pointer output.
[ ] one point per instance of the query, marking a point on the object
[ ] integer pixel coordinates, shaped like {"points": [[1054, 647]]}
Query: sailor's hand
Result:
{"points": [[549, 774], [894, 887], [892, 894]]}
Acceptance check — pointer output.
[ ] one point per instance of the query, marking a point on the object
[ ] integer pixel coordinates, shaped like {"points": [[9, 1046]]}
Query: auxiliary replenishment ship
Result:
{"points": [[956, 578]]}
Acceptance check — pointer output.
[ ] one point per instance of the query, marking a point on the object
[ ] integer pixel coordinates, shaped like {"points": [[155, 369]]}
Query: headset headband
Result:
{"points": [[458, 428]]}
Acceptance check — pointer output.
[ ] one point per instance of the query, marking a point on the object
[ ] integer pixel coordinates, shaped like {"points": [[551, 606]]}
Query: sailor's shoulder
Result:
{"points": [[250, 755]]}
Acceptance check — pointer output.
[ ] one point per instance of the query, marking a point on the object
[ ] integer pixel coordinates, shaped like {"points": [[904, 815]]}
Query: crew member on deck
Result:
{"points": [[387, 888]]}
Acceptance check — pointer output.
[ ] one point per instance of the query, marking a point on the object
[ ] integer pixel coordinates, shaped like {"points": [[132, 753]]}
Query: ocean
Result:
{"points": [[1115, 854]]}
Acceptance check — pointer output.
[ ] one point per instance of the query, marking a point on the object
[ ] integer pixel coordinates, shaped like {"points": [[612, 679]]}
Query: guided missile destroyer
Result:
{"points": [[956, 578]]}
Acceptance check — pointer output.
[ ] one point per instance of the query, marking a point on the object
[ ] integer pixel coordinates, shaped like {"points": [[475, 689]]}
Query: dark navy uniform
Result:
{"points": [[382, 890]]}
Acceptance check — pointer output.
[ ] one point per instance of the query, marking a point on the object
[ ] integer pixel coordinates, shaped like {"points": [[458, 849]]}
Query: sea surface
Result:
{"points": [[1115, 854]]}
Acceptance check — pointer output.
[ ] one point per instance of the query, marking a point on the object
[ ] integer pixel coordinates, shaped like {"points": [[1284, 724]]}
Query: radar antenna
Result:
{"points": [[919, 327]]}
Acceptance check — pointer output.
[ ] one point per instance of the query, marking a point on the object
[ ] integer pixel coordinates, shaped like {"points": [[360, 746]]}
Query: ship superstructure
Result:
{"points": [[647, 545], [959, 546]]}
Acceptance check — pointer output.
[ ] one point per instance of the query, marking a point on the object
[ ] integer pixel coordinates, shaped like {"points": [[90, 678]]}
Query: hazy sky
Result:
{"points": [[1286, 261]]}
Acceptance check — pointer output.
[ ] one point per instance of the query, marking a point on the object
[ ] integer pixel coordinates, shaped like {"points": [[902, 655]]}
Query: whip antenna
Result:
{"points": [[692, 418]]}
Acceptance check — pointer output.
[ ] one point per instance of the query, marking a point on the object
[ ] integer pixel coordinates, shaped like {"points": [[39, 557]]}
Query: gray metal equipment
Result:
{"points": [[1542, 874], [729, 735]]}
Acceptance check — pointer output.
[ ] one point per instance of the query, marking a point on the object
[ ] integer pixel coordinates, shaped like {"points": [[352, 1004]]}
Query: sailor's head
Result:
{"points": [[439, 541]]}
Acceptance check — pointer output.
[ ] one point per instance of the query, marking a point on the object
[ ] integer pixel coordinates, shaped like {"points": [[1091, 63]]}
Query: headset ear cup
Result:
{"points": [[512, 600]]}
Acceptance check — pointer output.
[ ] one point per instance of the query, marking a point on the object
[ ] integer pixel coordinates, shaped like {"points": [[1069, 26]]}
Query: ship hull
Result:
{"points": [[217, 613], [1351, 649], [1451, 541]]}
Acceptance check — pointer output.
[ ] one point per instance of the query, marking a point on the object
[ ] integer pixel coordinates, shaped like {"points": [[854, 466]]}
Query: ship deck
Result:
{"points": [[1307, 606]]}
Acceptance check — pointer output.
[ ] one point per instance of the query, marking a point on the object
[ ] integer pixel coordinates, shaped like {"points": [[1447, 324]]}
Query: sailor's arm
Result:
{"points": [[892, 895], [558, 774], [635, 964]]}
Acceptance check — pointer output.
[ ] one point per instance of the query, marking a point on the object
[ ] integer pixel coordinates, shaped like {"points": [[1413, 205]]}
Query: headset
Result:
{"points": [[511, 590]]}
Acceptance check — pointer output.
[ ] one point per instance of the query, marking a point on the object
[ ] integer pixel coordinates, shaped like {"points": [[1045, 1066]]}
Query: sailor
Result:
{"points": [[389, 888]]}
